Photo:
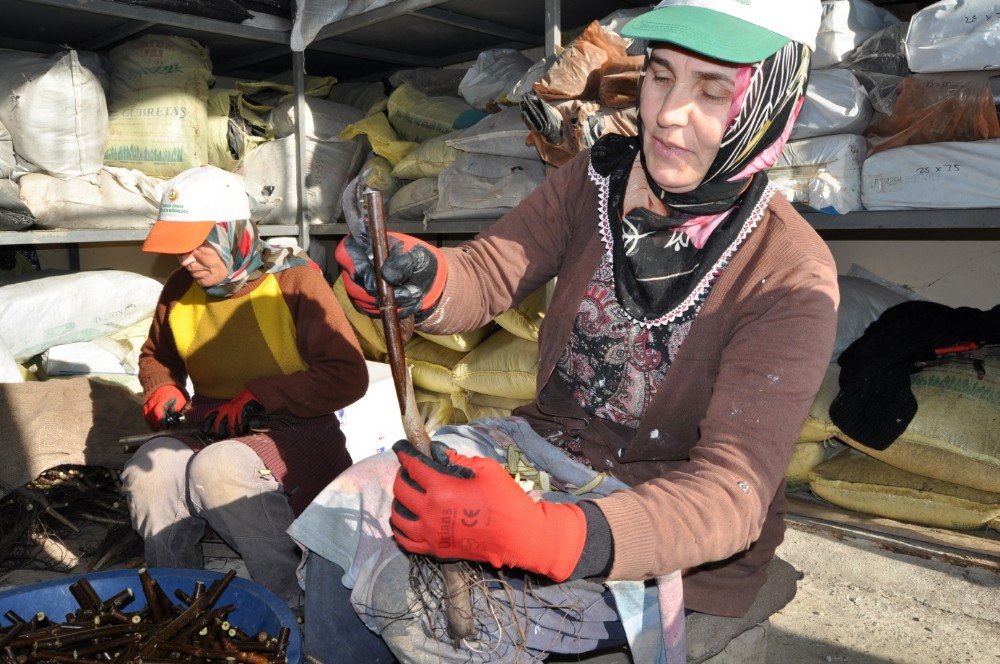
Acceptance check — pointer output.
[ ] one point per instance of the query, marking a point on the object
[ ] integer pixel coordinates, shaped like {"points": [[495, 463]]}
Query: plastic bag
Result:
{"points": [[935, 108], [880, 64], [575, 74]]}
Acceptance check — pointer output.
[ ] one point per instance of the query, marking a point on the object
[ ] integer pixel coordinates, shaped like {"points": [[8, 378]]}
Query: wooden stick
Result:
{"points": [[458, 608]]}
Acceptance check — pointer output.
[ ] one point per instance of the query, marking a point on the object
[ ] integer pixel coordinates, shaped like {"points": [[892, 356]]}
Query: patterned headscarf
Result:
{"points": [[664, 242], [247, 256]]}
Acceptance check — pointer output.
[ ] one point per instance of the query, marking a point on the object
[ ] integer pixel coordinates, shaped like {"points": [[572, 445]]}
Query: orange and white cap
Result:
{"points": [[192, 203]]}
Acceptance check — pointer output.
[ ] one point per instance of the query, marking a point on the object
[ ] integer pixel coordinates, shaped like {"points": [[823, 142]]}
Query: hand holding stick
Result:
{"points": [[457, 606]]}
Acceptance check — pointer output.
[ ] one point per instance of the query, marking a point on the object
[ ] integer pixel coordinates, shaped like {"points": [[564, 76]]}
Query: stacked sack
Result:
{"points": [[898, 115], [820, 167], [92, 139], [447, 144], [943, 471], [588, 90], [939, 147], [462, 377], [89, 323]]}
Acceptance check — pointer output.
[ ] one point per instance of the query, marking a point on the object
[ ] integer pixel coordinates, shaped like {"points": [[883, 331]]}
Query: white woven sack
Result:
{"points": [[270, 171], [324, 119], [502, 133], [38, 314], [493, 76], [56, 114], [954, 35], [836, 103], [937, 175], [479, 181], [823, 173], [119, 199]]}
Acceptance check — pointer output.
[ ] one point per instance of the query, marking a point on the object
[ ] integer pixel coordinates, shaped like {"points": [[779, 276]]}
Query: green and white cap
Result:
{"points": [[740, 31]]}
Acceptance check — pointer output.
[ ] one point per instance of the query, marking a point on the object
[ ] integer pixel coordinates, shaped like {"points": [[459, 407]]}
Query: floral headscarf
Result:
{"points": [[247, 256]]}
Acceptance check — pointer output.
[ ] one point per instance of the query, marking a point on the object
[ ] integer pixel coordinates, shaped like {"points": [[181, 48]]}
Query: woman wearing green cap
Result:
{"points": [[692, 320]]}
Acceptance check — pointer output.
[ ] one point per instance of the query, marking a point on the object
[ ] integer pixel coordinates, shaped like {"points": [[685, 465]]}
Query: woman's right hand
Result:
{"points": [[163, 407], [416, 270]]}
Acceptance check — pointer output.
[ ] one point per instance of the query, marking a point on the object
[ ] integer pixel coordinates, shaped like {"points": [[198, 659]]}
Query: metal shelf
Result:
{"points": [[91, 235], [988, 218]]}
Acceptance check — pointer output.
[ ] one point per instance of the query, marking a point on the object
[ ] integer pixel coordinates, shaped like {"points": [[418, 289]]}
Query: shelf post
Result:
{"points": [[553, 23], [299, 78]]}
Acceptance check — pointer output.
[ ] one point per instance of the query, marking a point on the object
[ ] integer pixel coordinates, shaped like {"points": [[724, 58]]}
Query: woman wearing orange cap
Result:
{"points": [[271, 356], [691, 324]]}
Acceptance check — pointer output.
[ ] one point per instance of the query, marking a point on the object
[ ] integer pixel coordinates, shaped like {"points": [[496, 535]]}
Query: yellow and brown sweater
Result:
{"points": [[282, 336]]}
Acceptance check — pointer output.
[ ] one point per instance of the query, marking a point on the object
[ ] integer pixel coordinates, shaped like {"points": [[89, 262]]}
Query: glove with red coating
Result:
{"points": [[416, 270], [162, 408], [452, 506], [233, 417]]}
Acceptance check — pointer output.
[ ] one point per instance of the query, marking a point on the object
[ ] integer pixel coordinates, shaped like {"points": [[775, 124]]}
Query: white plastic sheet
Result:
{"points": [[846, 24], [955, 35], [936, 175], [823, 173], [835, 104]]}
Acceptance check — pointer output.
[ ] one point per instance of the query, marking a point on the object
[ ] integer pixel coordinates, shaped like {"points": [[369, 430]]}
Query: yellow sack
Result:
{"points": [[858, 482], [380, 178], [418, 117], [463, 342], [502, 366], [369, 330], [955, 435], [818, 426], [427, 160], [806, 457], [381, 136], [477, 406], [431, 365], [158, 119], [525, 319], [435, 409]]}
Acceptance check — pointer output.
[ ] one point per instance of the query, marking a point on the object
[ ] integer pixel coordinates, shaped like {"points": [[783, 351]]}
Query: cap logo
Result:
{"points": [[172, 195]]}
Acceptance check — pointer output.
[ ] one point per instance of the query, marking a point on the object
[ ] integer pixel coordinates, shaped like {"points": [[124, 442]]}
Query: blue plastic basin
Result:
{"points": [[257, 608]]}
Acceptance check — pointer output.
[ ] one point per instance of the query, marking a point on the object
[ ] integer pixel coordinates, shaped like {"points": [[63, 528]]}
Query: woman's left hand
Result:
{"points": [[452, 506], [233, 417]]}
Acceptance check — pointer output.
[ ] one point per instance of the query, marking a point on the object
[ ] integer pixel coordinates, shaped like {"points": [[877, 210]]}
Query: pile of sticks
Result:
{"points": [[57, 505], [103, 630]]}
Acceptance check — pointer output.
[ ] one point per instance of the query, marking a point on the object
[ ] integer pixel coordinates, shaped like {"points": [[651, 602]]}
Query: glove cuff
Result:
{"points": [[567, 525]]}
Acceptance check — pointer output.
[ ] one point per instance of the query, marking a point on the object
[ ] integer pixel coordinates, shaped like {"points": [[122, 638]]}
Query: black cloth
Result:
{"points": [[875, 403], [650, 279]]}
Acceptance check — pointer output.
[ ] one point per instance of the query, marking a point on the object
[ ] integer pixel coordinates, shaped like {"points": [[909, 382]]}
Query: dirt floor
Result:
{"points": [[857, 602], [865, 605]]}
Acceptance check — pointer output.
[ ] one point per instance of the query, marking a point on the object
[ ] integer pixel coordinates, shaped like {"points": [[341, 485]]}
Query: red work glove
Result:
{"points": [[233, 417], [416, 270], [454, 506], [162, 408]]}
